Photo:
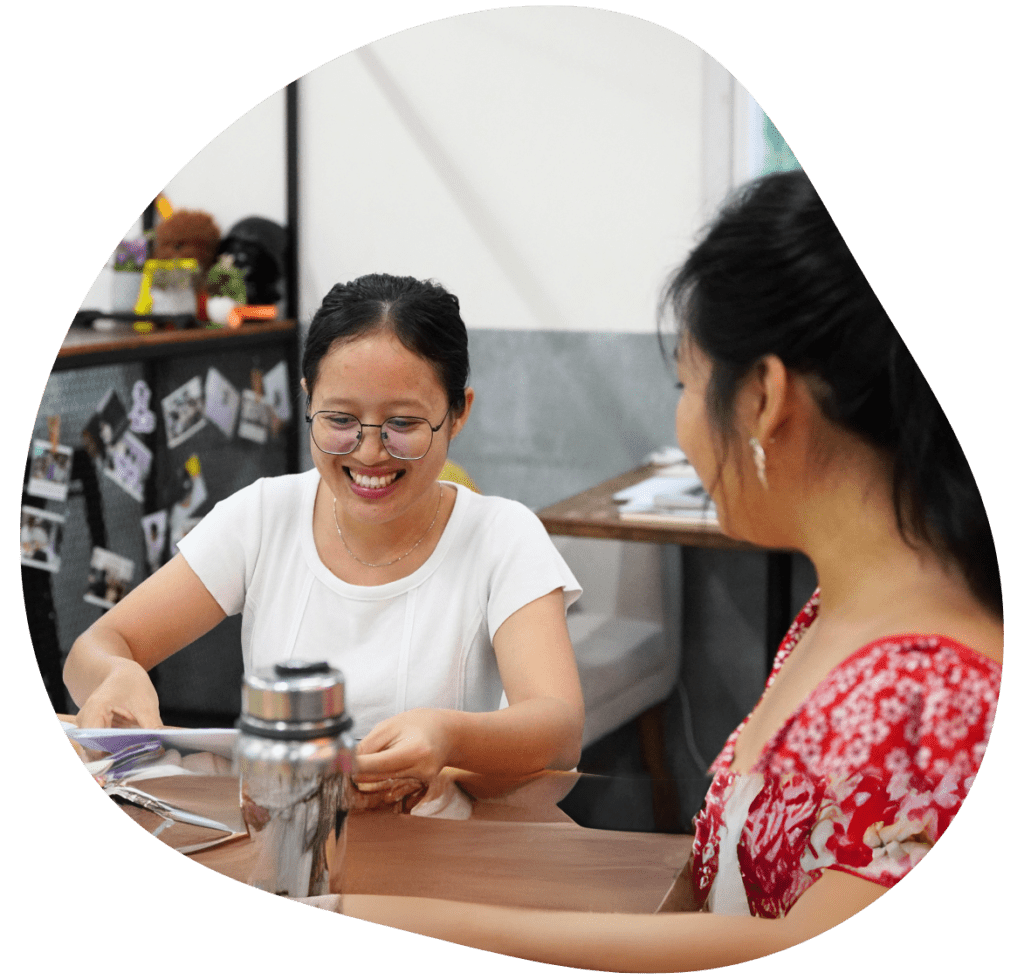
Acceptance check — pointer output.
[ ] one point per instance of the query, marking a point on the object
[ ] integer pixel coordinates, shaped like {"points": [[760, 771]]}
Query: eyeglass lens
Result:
{"points": [[403, 438]]}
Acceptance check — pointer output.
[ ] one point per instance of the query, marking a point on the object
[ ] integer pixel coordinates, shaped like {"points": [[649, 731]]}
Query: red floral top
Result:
{"points": [[864, 777]]}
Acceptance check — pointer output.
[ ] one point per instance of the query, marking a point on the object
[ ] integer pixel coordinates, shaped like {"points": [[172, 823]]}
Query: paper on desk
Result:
{"points": [[219, 741], [662, 492]]}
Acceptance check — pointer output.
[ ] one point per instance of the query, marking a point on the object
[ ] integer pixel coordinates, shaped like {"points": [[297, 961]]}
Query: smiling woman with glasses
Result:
{"points": [[436, 603]]}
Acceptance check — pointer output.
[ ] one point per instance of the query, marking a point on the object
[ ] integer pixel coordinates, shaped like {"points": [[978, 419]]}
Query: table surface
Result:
{"points": [[593, 513], [517, 849]]}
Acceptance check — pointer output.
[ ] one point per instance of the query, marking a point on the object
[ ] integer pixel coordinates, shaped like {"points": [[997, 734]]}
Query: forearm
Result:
{"points": [[94, 657], [608, 942], [539, 733]]}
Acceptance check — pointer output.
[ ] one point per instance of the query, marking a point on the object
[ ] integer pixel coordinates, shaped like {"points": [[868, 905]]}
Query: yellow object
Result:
{"points": [[454, 473], [192, 466], [144, 304], [163, 206]]}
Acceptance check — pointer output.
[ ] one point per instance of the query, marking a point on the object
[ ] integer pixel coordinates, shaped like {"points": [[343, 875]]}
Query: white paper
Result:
{"points": [[222, 401], [128, 463], [183, 412], [217, 740], [49, 471], [275, 391], [642, 495]]}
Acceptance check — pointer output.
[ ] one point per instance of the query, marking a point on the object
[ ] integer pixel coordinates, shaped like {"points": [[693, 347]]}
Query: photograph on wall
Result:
{"points": [[49, 470], [41, 536], [180, 526], [110, 577], [275, 391], [256, 418], [128, 463], [108, 423], [183, 412], [222, 401], [154, 532]]}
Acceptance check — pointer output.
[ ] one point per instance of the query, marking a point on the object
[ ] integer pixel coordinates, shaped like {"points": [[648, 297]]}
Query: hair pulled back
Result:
{"points": [[421, 313], [773, 275]]}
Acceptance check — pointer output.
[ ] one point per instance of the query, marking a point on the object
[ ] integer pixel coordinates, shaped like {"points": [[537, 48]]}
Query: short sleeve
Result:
{"points": [[874, 771], [222, 548], [525, 565]]}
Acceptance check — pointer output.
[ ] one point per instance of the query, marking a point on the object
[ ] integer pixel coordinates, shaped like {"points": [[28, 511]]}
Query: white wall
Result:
{"points": [[239, 173], [550, 165], [543, 163]]}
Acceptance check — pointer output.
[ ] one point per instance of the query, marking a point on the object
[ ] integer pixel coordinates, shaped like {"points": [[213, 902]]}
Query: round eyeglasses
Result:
{"points": [[338, 433]]}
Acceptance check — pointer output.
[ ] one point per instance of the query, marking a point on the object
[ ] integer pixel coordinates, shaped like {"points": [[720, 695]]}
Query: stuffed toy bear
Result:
{"points": [[188, 234]]}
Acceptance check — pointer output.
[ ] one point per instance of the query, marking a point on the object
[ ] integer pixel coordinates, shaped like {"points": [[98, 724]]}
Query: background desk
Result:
{"points": [[593, 513]]}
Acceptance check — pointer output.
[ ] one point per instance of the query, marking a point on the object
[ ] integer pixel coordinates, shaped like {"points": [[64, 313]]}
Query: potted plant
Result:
{"points": [[225, 289], [129, 259]]}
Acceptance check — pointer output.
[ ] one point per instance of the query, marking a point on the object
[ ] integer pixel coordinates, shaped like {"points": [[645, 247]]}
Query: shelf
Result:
{"points": [[87, 347]]}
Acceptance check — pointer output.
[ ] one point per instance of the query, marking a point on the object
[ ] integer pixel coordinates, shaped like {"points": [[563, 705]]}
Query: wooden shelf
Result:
{"points": [[87, 347]]}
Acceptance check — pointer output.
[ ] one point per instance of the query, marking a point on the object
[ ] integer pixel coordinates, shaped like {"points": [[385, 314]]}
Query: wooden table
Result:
{"points": [[516, 849], [593, 513]]}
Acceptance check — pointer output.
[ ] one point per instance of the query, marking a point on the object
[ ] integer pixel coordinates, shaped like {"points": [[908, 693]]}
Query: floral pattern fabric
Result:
{"points": [[864, 777]]}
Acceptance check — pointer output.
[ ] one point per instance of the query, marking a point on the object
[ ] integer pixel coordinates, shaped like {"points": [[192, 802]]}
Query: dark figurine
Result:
{"points": [[257, 246]]}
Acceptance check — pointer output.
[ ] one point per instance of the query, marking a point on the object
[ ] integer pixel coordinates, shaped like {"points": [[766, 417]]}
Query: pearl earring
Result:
{"points": [[759, 461]]}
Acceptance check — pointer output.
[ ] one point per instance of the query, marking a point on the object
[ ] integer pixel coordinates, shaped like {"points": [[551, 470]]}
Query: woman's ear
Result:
{"points": [[460, 420], [305, 389], [766, 399]]}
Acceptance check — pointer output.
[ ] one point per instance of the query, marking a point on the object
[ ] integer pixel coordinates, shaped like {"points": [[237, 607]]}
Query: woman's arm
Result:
{"points": [[541, 728], [108, 665], [623, 942]]}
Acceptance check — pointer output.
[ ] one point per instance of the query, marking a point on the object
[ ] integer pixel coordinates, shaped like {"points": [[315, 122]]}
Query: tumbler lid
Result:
{"points": [[294, 692]]}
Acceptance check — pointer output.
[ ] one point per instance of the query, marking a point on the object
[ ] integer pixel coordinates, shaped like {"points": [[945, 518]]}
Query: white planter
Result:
{"points": [[173, 302], [124, 291], [218, 307]]}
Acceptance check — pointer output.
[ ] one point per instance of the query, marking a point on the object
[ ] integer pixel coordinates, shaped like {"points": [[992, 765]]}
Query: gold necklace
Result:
{"points": [[366, 564]]}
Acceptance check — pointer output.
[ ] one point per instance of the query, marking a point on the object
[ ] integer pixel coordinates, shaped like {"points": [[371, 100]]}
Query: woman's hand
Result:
{"points": [[125, 698], [413, 745]]}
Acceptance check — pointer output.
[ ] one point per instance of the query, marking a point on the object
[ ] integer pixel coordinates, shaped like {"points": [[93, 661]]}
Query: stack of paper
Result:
{"points": [[674, 499]]}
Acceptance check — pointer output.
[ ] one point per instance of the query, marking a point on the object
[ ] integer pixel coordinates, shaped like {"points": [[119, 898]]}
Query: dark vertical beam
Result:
{"points": [[778, 602], [291, 274], [291, 132]]}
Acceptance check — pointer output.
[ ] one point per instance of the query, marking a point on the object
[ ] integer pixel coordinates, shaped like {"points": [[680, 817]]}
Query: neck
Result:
{"points": [[376, 543]]}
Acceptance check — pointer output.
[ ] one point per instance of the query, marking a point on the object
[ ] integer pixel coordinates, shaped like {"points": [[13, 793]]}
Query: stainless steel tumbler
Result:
{"points": [[294, 756]]}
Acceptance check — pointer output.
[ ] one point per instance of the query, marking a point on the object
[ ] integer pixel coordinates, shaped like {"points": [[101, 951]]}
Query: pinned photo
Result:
{"points": [[183, 412], [256, 418], [49, 470], [41, 536], [107, 424], [128, 463], [222, 401], [275, 391], [110, 577], [179, 529], [154, 532]]}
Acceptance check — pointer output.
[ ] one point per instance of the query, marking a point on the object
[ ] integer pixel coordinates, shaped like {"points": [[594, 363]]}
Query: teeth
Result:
{"points": [[373, 482]]}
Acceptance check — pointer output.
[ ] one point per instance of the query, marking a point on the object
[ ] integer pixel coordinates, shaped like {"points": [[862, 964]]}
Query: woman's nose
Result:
{"points": [[371, 446]]}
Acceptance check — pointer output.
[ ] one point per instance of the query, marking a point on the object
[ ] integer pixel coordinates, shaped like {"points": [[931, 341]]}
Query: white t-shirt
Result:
{"points": [[421, 641]]}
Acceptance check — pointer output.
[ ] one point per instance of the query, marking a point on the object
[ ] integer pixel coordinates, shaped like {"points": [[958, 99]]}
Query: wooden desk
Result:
{"points": [[517, 849], [593, 513]]}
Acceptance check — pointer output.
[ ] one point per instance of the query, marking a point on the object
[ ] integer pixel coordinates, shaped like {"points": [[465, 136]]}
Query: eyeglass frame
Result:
{"points": [[359, 438]]}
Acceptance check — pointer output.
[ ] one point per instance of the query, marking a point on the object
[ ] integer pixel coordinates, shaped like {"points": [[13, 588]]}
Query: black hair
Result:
{"points": [[421, 313], [773, 275]]}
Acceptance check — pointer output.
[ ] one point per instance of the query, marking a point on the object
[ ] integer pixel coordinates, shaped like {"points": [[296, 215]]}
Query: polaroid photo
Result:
{"points": [[222, 401], [256, 418], [110, 577], [275, 391], [154, 532], [128, 463], [107, 424], [41, 536], [183, 412], [180, 526], [49, 470]]}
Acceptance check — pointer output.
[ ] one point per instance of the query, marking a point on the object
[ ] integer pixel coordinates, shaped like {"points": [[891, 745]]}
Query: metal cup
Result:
{"points": [[294, 756]]}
